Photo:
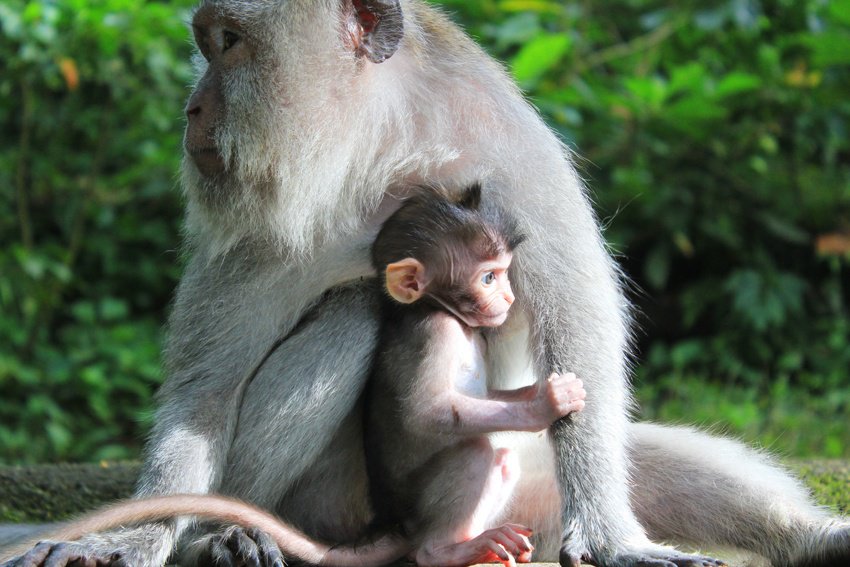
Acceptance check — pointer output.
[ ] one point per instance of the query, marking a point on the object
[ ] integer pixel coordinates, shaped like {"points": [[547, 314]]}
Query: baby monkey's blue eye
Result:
{"points": [[488, 278]]}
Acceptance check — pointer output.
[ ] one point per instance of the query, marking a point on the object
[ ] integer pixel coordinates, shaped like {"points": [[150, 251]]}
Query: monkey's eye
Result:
{"points": [[229, 40], [201, 42], [488, 278]]}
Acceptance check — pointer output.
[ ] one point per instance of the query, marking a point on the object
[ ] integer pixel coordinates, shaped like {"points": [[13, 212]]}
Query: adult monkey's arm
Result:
{"points": [[569, 285]]}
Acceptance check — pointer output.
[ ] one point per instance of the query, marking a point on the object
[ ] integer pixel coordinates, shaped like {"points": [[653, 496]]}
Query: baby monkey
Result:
{"points": [[434, 474]]}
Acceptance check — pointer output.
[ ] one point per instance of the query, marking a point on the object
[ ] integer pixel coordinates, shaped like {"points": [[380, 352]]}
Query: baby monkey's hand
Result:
{"points": [[558, 396]]}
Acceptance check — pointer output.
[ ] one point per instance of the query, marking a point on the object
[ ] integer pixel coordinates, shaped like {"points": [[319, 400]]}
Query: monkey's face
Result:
{"points": [[237, 113], [220, 42], [280, 127], [491, 292]]}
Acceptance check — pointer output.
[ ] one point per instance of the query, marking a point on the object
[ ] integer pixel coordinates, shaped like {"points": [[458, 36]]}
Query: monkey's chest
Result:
{"points": [[472, 377]]}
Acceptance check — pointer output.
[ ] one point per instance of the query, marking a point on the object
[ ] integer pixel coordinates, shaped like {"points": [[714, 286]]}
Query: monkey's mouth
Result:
{"points": [[492, 319], [208, 160]]}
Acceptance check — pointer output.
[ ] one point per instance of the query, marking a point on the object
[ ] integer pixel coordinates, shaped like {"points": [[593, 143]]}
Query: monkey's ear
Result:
{"points": [[471, 197], [406, 280], [375, 27]]}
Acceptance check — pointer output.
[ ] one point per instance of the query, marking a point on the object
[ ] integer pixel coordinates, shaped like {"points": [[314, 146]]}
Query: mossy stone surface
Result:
{"points": [[829, 480], [47, 493]]}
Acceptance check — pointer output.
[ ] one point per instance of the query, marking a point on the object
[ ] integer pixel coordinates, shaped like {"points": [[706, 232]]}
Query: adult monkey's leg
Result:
{"points": [[297, 447], [696, 488]]}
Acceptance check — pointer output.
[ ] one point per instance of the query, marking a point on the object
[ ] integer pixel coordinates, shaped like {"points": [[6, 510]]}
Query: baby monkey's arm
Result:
{"points": [[533, 408]]}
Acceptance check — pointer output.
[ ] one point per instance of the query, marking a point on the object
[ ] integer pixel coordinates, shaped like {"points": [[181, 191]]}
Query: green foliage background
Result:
{"points": [[715, 136]]}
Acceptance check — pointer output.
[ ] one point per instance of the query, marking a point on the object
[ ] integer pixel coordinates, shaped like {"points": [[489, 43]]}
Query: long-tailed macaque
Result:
{"points": [[307, 119], [433, 472]]}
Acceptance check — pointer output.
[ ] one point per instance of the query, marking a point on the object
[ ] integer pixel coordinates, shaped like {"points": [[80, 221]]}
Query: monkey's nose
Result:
{"points": [[509, 297], [193, 110]]}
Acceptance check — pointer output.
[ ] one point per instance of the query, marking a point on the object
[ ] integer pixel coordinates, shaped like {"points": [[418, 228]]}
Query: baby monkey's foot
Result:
{"points": [[507, 544]]}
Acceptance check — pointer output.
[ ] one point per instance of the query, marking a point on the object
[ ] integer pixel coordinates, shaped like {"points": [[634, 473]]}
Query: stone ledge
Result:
{"points": [[48, 493], [829, 480]]}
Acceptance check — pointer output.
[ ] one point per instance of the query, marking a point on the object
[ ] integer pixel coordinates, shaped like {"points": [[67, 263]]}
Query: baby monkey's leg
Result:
{"points": [[471, 501]]}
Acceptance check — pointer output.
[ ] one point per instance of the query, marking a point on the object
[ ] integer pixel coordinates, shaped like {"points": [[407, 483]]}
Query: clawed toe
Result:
{"points": [[63, 554], [678, 561], [243, 547], [664, 558]]}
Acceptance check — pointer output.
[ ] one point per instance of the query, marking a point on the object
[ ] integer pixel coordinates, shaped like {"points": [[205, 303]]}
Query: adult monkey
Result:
{"points": [[308, 117]]}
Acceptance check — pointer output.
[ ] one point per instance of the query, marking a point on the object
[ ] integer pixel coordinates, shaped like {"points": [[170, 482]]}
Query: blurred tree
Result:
{"points": [[90, 103]]}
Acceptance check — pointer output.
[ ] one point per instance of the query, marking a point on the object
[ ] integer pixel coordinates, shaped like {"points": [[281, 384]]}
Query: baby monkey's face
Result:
{"points": [[476, 291], [491, 289]]}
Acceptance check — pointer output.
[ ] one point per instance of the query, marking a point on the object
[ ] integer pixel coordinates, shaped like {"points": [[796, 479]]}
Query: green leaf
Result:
{"points": [[84, 312], [830, 48], [59, 435], [112, 309], [687, 78], [518, 29], [839, 10], [783, 228], [95, 377], [541, 6], [651, 91], [538, 56], [683, 353], [692, 113], [736, 83], [10, 21], [746, 289], [34, 266]]}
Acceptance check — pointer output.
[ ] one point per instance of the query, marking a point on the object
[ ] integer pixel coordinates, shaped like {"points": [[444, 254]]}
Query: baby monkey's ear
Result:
{"points": [[406, 280]]}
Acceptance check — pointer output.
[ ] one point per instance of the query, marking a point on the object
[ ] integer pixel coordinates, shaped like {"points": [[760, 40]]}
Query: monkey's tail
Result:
{"points": [[230, 510]]}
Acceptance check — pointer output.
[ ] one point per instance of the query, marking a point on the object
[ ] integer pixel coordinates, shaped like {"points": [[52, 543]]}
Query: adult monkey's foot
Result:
{"points": [[236, 546], [60, 554], [147, 545], [656, 557]]}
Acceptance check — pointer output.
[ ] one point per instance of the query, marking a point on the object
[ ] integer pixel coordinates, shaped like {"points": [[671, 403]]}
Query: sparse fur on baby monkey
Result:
{"points": [[434, 474]]}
